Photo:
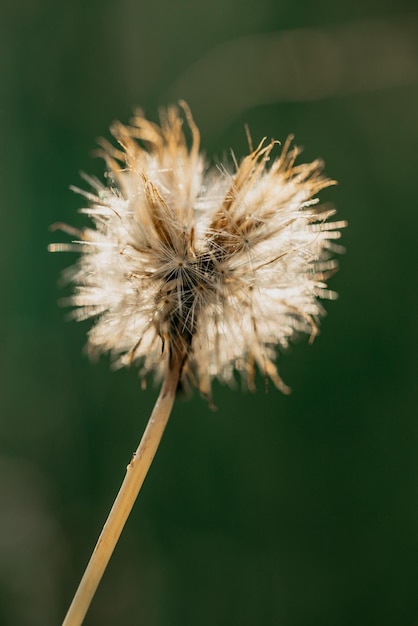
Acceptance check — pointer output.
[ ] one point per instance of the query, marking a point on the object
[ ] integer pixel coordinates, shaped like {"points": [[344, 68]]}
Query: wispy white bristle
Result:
{"points": [[213, 265]]}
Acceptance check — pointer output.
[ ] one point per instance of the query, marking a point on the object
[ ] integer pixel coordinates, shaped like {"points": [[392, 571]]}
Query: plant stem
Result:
{"points": [[128, 492]]}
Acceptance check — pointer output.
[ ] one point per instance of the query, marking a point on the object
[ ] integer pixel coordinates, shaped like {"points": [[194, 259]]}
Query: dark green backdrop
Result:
{"points": [[274, 510]]}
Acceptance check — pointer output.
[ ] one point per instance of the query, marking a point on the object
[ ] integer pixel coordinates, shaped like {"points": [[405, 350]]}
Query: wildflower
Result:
{"points": [[194, 272], [207, 265]]}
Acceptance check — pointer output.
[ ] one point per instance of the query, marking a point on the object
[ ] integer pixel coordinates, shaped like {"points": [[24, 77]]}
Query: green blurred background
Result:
{"points": [[274, 510]]}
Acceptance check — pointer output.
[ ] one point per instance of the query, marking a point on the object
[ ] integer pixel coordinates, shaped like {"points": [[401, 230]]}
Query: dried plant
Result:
{"points": [[193, 273]]}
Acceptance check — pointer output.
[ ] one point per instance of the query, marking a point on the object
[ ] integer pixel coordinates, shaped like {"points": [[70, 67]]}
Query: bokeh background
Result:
{"points": [[273, 510]]}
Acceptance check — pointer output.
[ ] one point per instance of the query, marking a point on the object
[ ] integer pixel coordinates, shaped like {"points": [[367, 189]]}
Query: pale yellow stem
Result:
{"points": [[135, 475]]}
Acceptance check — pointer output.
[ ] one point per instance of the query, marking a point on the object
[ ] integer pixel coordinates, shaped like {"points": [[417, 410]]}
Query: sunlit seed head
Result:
{"points": [[215, 267]]}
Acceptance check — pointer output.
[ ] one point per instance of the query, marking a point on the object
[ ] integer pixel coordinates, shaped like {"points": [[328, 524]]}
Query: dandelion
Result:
{"points": [[194, 274]]}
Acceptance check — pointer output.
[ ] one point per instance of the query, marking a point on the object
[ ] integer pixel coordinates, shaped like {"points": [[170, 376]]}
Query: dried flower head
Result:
{"points": [[214, 267]]}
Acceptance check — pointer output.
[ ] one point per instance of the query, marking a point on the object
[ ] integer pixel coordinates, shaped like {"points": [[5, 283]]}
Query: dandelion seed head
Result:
{"points": [[215, 267]]}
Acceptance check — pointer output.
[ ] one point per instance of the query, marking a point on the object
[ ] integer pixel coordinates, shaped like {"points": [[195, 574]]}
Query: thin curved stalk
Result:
{"points": [[132, 483]]}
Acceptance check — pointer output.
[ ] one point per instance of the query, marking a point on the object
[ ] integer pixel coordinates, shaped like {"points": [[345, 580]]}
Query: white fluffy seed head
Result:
{"points": [[212, 267]]}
